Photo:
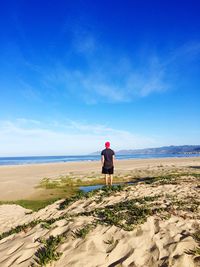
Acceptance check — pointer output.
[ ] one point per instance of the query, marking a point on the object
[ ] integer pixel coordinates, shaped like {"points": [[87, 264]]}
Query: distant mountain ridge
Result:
{"points": [[185, 149], [164, 150]]}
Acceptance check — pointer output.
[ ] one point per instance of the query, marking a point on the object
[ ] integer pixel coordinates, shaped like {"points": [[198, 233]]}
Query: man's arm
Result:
{"points": [[113, 159], [102, 160]]}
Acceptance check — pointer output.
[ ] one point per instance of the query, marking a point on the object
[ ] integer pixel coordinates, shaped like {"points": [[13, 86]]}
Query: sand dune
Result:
{"points": [[102, 228]]}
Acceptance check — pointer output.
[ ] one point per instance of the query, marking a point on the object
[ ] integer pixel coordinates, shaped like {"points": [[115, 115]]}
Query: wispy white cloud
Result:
{"points": [[142, 84], [26, 122], [30, 137], [103, 74], [83, 39], [29, 92], [106, 77], [84, 43], [187, 52], [119, 80], [108, 82]]}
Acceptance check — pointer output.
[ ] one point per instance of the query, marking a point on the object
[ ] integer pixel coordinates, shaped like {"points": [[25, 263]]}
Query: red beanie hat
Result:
{"points": [[107, 144]]}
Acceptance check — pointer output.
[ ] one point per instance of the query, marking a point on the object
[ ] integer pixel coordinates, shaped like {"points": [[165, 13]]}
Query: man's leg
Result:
{"points": [[111, 171], [106, 179], [111, 179]]}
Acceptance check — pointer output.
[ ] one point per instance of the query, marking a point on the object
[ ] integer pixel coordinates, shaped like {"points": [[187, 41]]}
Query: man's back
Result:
{"points": [[108, 157]]}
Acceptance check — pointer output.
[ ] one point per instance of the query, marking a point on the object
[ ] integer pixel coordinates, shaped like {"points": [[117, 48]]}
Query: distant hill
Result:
{"points": [[186, 149]]}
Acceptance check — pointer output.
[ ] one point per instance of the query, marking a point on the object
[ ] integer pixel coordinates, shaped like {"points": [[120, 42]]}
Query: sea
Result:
{"points": [[56, 159]]}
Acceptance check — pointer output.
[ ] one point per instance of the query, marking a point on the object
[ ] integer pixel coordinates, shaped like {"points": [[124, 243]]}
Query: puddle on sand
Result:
{"points": [[89, 188]]}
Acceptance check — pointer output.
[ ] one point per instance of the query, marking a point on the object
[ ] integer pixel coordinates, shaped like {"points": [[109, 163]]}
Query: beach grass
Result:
{"points": [[43, 198], [50, 190], [82, 232], [196, 251], [64, 182], [47, 253]]}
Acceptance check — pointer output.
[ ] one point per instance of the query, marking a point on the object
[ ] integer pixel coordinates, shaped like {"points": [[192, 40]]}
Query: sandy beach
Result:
{"points": [[18, 182], [152, 223]]}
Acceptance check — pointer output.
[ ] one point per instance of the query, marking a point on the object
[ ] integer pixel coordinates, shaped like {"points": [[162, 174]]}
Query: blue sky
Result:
{"points": [[75, 74]]}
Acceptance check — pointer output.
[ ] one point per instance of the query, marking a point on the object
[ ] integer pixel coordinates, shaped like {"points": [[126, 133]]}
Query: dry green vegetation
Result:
{"points": [[196, 251], [127, 214], [25, 227], [47, 253], [105, 191], [82, 232]]}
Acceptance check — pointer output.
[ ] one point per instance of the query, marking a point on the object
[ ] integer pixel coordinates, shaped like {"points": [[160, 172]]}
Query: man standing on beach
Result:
{"points": [[107, 159]]}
